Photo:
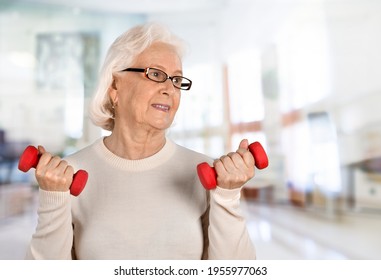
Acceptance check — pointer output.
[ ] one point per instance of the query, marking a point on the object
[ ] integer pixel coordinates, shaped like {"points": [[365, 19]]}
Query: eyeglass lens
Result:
{"points": [[160, 76]]}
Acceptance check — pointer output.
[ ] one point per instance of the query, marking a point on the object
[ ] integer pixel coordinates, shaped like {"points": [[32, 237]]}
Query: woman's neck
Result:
{"points": [[135, 145]]}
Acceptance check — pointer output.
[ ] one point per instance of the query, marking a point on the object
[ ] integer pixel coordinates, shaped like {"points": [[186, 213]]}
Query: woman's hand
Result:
{"points": [[235, 169], [53, 173]]}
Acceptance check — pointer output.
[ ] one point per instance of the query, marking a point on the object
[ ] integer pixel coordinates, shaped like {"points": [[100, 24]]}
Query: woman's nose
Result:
{"points": [[169, 87]]}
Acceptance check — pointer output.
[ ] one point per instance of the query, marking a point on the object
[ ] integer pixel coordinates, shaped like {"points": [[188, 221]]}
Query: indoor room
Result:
{"points": [[302, 77]]}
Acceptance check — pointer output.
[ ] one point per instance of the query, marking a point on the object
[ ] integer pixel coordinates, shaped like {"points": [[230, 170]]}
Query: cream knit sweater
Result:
{"points": [[154, 208]]}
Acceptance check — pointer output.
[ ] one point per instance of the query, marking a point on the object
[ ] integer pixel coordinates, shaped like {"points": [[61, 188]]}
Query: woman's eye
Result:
{"points": [[157, 75], [177, 81]]}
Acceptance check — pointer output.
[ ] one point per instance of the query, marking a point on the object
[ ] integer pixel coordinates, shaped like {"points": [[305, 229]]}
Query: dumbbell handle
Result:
{"points": [[30, 157], [208, 175]]}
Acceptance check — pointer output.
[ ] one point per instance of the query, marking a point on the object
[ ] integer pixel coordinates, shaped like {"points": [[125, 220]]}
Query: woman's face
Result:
{"points": [[142, 103]]}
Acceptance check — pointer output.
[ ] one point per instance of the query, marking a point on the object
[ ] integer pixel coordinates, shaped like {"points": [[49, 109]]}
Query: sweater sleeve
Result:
{"points": [[228, 234], [53, 237]]}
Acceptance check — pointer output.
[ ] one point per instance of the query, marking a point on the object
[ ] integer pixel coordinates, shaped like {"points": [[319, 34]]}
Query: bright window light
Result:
{"points": [[245, 90]]}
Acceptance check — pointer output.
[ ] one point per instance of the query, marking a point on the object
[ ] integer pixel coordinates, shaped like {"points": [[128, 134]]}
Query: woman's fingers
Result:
{"points": [[236, 168], [53, 173]]}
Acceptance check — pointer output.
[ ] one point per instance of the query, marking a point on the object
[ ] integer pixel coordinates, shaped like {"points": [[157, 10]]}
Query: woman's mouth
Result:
{"points": [[161, 107]]}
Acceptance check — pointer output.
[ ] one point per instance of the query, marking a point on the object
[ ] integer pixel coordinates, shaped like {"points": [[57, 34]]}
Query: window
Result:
{"points": [[245, 92]]}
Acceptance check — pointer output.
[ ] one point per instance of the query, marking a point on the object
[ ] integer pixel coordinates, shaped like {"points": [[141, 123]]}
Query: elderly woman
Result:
{"points": [[143, 199]]}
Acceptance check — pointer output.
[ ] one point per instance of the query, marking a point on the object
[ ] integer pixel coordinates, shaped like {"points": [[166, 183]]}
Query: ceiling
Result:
{"points": [[135, 6]]}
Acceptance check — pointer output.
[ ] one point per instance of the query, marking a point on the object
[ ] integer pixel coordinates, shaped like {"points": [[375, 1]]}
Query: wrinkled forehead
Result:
{"points": [[160, 53]]}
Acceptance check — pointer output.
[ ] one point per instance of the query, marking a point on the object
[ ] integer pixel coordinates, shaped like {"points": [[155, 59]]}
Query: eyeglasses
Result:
{"points": [[160, 76]]}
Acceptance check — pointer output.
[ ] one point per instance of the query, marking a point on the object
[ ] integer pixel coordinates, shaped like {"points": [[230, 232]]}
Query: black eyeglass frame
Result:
{"points": [[146, 71]]}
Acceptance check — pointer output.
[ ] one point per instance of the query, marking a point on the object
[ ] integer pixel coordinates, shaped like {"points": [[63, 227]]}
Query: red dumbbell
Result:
{"points": [[30, 158], [208, 175]]}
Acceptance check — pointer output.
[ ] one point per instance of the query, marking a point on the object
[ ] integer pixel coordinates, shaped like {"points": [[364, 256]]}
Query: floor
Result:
{"points": [[286, 232], [279, 231]]}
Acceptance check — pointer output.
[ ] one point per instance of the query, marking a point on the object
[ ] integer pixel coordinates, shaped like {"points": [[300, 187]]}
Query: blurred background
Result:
{"points": [[300, 76]]}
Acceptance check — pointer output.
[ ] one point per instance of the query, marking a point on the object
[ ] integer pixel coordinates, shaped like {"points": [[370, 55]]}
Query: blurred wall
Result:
{"points": [[34, 113], [315, 63], [326, 57]]}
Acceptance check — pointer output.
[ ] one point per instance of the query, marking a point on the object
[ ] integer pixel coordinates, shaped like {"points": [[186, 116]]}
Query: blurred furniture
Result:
{"points": [[260, 193], [366, 183], [15, 199], [9, 156], [15, 188]]}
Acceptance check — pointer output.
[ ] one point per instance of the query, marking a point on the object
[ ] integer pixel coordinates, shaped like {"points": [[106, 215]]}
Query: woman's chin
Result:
{"points": [[161, 125]]}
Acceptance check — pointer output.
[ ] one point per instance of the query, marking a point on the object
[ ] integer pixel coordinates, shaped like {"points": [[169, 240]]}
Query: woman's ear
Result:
{"points": [[113, 91], [113, 96], [113, 84]]}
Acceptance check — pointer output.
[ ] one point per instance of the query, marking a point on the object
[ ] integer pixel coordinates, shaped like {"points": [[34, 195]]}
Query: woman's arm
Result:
{"points": [[53, 238], [228, 234]]}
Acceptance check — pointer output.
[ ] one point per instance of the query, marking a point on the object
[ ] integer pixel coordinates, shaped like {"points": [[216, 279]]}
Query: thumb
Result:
{"points": [[41, 149], [244, 144]]}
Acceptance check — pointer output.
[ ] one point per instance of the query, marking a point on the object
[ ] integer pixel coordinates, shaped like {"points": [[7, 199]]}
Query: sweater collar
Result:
{"points": [[136, 165]]}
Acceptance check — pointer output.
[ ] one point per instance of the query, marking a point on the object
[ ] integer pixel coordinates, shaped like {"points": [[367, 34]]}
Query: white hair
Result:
{"points": [[121, 54]]}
